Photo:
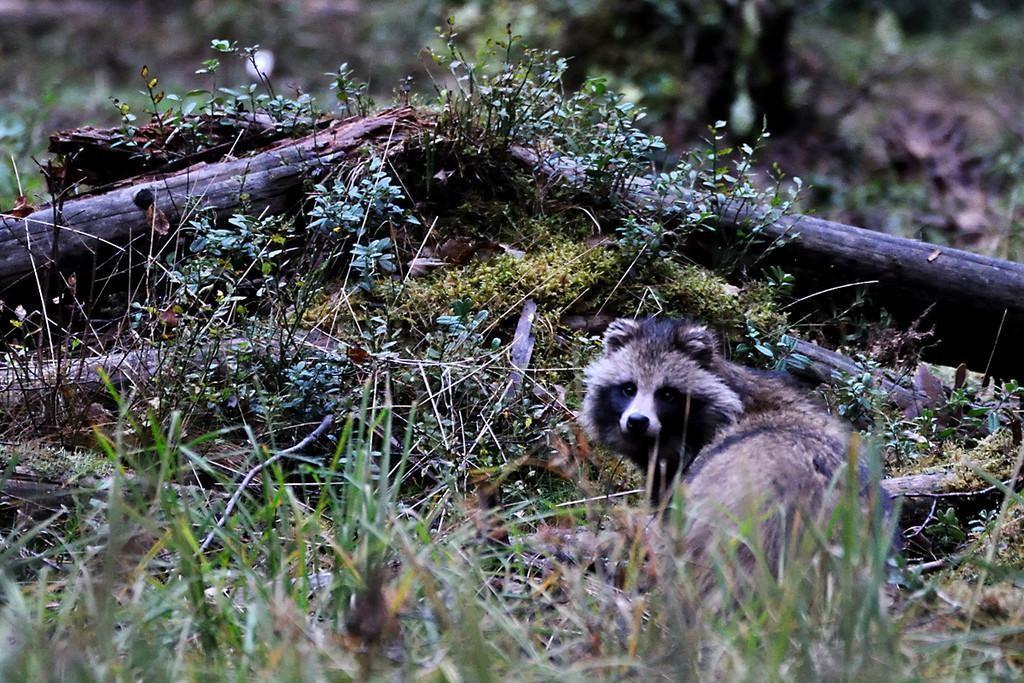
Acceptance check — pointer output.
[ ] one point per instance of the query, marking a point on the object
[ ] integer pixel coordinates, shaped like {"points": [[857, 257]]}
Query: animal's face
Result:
{"points": [[643, 406], [656, 385]]}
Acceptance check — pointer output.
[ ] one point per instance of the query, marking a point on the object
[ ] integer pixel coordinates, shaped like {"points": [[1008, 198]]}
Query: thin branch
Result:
{"points": [[324, 425]]}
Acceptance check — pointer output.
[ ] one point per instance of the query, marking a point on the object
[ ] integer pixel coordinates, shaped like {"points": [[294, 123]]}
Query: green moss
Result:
{"points": [[1007, 559], [555, 277], [512, 222], [995, 455], [1010, 547], [757, 300], [54, 462], [698, 293]]}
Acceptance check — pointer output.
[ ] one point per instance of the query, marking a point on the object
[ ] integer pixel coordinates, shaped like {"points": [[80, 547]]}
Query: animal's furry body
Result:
{"points": [[760, 448]]}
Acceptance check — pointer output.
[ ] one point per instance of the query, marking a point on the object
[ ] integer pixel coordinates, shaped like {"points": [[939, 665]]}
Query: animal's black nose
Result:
{"points": [[637, 423]]}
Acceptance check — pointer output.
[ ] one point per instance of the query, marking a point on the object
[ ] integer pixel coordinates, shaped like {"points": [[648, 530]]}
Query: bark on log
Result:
{"points": [[98, 156], [270, 181], [978, 301], [824, 366], [29, 493]]}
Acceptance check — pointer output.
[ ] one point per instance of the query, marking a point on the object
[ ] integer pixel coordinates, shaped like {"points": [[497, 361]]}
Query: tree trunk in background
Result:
{"points": [[716, 54], [768, 71]]}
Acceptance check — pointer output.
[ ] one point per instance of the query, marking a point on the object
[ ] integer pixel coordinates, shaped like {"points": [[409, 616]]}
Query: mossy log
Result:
{"points": [[921, 497], [268, 182], [976, 302]]}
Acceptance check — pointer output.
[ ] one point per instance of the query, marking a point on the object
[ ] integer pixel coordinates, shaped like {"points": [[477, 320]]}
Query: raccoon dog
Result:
{"points": [[662, 396]]}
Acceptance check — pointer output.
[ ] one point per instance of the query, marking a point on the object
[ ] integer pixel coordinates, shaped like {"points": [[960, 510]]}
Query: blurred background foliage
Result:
{"points": [[901, 114]]}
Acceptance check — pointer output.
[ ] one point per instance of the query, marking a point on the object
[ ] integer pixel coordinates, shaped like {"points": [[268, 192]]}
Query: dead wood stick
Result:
{"points": [[522, 347], [918, 485], [322, 428], [269, 182]]}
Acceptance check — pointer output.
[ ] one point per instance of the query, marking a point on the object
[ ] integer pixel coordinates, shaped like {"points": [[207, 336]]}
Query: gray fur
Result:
{"points": [[766, 448]]}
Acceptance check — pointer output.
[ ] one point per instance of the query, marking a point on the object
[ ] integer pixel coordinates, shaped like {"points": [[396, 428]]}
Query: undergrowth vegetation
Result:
{"points": [[305, 454]]}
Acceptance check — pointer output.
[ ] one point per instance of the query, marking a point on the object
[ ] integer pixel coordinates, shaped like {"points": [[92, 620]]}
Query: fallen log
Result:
{"points": [[100, 156], [820, 365], [919, 494], [24, 383], [270, 182], [30, 493], [28, 380], [978, 301]]}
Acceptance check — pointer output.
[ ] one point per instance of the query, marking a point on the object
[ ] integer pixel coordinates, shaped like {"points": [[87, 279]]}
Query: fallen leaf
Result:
{"points": [[158, 220], [929, 385], [961, 376], [458, 250], [512, 251], [358, 355], [168, 317], [21, 208]]}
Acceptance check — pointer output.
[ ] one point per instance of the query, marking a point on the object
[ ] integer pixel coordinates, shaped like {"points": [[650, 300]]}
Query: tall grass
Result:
{"points": [[327, 571]]}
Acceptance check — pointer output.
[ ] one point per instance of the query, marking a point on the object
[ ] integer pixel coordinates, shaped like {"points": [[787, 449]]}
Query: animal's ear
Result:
{"points": [[619, 333], [696, 341]]}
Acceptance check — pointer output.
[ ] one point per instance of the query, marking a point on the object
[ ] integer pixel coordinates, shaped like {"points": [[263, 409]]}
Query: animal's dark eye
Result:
{"points": [[628, 389], [668, 394]]}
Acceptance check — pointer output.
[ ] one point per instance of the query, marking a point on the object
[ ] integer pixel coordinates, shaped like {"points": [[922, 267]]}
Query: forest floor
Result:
{"points": [[329, 468]]}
